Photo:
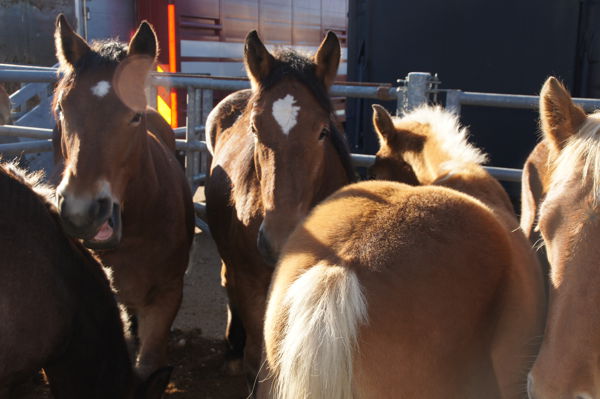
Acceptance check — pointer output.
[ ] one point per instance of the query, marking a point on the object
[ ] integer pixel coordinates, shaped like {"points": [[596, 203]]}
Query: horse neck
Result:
{"points": [[145, 178], [95, 362], [333, 175]]}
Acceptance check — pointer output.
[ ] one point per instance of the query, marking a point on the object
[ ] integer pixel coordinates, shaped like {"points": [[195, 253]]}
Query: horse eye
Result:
{"points": [[324, 133], [137, 118]]}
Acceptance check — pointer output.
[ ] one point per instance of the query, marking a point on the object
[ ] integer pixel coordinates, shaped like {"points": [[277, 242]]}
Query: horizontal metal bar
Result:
{"points": [[505, 174], [515, 100], [26, 147], [180, 131], [199, 179], [191, 146], [363, 160], [27, 67], [27, 76], [22, 131]]}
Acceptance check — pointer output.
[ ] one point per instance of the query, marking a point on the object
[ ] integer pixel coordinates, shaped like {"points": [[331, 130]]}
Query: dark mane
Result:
{"points": [[290, 64]]}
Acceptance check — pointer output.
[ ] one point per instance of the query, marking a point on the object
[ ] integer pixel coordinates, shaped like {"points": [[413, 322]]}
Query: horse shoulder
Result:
{"points": [[224, 115], [160, 128]]}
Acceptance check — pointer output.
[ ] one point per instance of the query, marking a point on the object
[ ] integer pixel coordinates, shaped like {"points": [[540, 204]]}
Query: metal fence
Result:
{"points": [[416, 89]]}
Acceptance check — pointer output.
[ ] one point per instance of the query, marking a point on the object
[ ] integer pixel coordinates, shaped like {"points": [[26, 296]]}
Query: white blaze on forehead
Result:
{"points": [[101, 88], [285, 113]]}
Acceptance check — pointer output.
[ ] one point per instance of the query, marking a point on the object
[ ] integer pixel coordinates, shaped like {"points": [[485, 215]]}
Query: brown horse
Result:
{"points": [[276, 153], [392, 291], [561, 194], [57, 309], [122, 190]]}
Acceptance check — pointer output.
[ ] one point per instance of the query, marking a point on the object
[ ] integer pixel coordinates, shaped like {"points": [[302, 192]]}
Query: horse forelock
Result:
{"points": [[581, 152], [292, 65]]}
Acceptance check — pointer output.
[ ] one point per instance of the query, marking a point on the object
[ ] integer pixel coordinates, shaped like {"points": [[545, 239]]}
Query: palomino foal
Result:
{"points": [[561, 191], [276, 153], [122, 190], [392, 291]]}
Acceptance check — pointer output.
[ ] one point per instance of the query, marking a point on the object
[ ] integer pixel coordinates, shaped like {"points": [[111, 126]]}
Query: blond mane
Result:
{"points": [[582, 147], [448, 133]]}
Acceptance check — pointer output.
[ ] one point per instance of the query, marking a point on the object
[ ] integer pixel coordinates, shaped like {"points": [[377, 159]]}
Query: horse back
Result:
{"points": [[430, 263], [224, 115]]}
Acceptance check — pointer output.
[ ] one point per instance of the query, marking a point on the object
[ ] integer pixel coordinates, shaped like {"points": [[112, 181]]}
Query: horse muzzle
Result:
{"points": [[265, 248], [96, 222]]}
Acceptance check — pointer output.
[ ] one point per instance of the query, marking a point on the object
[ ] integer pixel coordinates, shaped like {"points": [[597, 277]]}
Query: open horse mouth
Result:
{"points": [[109, 233]]}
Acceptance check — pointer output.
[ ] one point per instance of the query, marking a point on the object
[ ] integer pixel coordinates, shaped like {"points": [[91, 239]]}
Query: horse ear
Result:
{"points": [[144, 41], [383, 124], [155, 385], [257, 59], [559, 116], [70, 47], [327, 59]]}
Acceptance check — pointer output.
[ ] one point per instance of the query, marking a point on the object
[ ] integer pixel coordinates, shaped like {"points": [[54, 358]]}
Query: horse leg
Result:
{"points": [[154, 324], [235, 335]]}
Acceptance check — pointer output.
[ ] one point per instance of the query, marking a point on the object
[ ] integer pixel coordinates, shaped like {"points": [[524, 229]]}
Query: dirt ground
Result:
{"points": [[196, 345]]}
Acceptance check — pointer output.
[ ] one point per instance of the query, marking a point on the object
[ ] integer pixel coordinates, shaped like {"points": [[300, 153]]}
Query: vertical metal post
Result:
{"points": [[151, 96], [417, 87], [192, 157], [207, 106], [453, 101], [400, 97]]}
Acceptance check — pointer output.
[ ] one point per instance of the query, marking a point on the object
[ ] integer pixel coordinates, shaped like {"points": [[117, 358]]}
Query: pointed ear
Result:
{"points": [[383, 124], [155, 385], [70, 47], [327, 59], [257, 59], [144, 41], [559, 116]]}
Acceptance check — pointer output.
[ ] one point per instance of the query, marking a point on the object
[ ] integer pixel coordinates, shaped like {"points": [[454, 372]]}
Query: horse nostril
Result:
{"points": [[100, 208]]}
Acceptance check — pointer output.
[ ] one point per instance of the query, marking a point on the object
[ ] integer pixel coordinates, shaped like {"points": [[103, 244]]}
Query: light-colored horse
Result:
{"points": [[561, 188], [393, 291]]}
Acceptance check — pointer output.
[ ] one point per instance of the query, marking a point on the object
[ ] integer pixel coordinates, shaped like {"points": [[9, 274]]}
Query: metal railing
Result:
{"points": [[417, 88]]}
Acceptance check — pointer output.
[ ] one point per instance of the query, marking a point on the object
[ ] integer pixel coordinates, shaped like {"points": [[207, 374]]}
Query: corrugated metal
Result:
{"points": [[27, 29]]}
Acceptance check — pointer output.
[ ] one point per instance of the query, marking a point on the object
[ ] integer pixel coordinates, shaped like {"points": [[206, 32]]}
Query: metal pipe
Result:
{"points": [[22, 131], [27, 76], [18, 67], [417, 89], [26, 147], [196, 146], [515, 100]]}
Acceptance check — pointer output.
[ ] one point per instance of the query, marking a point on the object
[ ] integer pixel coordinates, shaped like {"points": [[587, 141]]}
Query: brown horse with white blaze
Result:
{"points": [[276, 153], [388, 290], [561, 189], [122, 190]]}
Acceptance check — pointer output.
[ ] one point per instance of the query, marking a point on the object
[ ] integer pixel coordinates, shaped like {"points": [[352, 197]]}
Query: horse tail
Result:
{"points": [[314, 357]]}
